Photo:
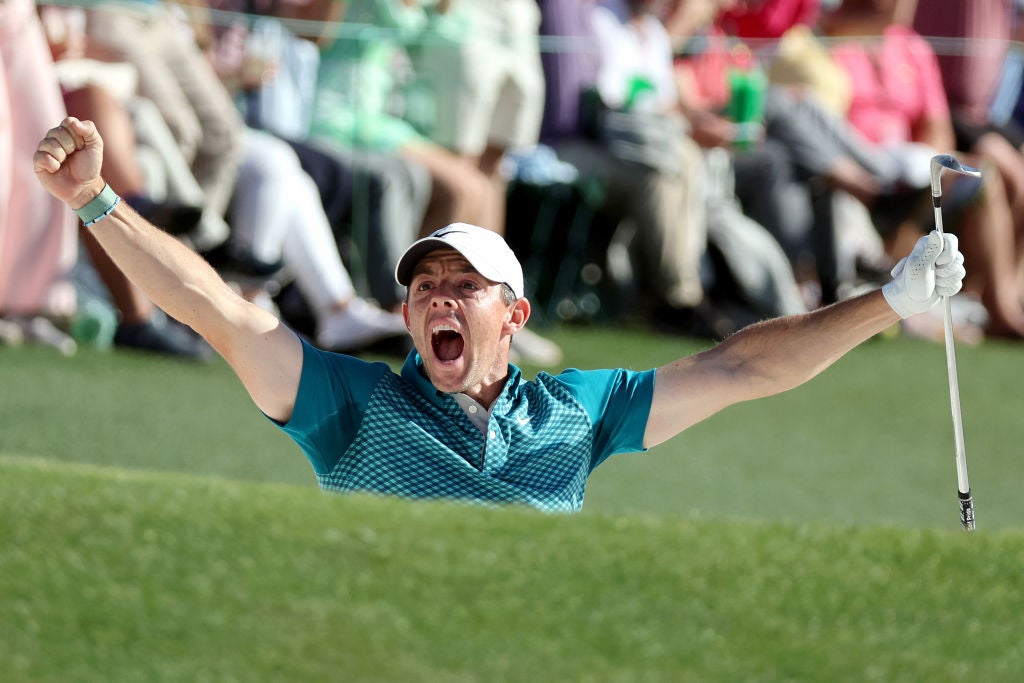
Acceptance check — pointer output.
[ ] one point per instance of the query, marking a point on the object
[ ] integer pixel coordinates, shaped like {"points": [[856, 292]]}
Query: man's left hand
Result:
{"points": [[935, 268]]}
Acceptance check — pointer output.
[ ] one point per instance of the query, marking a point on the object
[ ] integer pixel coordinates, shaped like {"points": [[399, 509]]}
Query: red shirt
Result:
{"points": [[769, 18]]}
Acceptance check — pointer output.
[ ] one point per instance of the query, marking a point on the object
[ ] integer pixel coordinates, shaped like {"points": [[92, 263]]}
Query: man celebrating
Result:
{"points": [[458, 421]]}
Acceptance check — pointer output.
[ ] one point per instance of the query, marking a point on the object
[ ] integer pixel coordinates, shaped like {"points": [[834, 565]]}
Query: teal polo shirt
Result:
{"points": [[364, 427]]}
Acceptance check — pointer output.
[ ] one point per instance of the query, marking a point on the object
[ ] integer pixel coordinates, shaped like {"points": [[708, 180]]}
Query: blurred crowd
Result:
{"points": [[695, 164]]}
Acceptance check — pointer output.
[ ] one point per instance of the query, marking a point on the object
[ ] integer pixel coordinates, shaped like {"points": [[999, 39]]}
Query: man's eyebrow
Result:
{"points": [[428, 265]]}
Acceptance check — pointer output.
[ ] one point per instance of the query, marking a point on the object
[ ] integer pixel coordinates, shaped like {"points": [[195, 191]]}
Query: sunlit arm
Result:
{"points": [[761, 360], [265, 354]]}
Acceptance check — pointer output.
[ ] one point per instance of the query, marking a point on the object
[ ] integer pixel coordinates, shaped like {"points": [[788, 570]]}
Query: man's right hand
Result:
{"points": [[67, 162]]}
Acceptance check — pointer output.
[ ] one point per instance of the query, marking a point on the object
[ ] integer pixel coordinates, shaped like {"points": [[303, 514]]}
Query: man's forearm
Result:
{"points": [[173, 276], [761, 360], [777, 355]]}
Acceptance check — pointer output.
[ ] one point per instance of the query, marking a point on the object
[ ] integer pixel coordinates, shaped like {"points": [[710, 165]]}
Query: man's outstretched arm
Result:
{"points": [[265, 354], [776, 355]]}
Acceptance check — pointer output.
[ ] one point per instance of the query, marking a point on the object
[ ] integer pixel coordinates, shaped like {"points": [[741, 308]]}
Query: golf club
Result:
{"points": [[940, 163]]}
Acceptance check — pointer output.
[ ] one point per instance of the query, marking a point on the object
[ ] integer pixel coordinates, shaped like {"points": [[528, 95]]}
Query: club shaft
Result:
{"points": [[954, 402], [962, 481]]}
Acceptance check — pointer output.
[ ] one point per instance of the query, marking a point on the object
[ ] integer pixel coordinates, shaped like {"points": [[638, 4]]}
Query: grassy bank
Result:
{"points": [[155, 527], [112, 574]]}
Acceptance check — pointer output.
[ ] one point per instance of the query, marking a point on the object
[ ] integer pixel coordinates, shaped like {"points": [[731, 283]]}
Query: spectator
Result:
{"points": [[665, 201], [788, 172], [662, 188], [982, 30], [375, 201], [635, 75], [297, 233], [767, 20], [140, 325], [175, 76], [38, 239], [905, 104], [355, 84], [343, 122], [481, 59]]}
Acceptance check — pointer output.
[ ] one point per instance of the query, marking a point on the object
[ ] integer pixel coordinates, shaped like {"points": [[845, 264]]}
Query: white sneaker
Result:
{"points": [[10, 333], [39, 330], [530, 347], [359, 325]]}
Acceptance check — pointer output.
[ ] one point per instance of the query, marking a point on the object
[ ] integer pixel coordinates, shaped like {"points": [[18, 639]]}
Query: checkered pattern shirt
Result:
{"points": [[365, 428]]}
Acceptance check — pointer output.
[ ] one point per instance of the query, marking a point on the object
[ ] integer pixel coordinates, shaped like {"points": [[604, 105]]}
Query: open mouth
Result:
{"points": [[447, 343]]}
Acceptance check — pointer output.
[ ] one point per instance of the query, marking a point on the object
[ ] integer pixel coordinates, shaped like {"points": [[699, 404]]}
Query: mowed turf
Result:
{"points": [[118, 575], [155, 527], [868, 441]]}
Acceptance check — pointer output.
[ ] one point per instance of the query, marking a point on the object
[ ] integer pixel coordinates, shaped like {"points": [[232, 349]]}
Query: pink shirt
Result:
{"points": [[888, 101]]}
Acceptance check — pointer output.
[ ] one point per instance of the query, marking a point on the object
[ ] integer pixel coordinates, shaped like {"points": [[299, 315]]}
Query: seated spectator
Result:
{"points": [[176, 77], [481, 61], [658, 185], [38, 239], [755, 21], [354, 87], [140, 325], [297, 233], [344, 322], [904, 104], [375, 201], [786, 178], [664, 202], [971, 79]]}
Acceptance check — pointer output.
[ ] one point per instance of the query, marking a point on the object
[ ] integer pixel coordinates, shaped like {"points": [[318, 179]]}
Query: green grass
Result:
{"points": [[112, 575], [868, 441], [155, 527]]}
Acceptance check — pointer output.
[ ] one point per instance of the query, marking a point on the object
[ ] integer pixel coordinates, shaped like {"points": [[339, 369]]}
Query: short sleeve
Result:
{"points": [[618, 403], [334, 390]]}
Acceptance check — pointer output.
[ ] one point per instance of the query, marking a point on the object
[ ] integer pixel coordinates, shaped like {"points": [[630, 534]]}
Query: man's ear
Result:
{"points": [[518, 314]]}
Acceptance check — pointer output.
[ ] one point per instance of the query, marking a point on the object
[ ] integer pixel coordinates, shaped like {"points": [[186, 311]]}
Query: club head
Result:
{"points": [[948, 162]]}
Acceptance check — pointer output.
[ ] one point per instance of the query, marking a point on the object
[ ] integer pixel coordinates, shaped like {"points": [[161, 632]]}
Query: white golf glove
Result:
{"points": [[935, 268]]}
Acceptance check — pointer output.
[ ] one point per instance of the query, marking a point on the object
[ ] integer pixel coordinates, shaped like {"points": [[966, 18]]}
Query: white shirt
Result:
{"points": [[630, 51]]}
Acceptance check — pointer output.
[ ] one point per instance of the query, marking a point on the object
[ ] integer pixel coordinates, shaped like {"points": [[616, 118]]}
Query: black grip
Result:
{"points": [[966, 510]]}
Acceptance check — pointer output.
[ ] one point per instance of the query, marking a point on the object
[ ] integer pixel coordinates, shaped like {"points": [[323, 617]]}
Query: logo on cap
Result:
{"points": [[484, 249]]}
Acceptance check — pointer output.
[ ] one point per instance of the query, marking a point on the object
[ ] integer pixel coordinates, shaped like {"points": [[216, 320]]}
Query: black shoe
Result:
{"points": [[897, 205], [173, 218], [703, 321], [162, 336], [229, 258]]}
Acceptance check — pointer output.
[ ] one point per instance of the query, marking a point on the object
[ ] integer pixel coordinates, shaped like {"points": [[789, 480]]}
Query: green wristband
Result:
{"points": [[101, 206]]}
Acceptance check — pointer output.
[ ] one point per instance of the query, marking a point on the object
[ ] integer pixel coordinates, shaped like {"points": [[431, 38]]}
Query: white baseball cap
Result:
{"points": [[485, 250]]}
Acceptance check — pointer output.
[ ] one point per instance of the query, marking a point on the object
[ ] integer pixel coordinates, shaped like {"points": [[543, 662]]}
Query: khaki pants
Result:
{"points": [[178, 79], [667, 208]]}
